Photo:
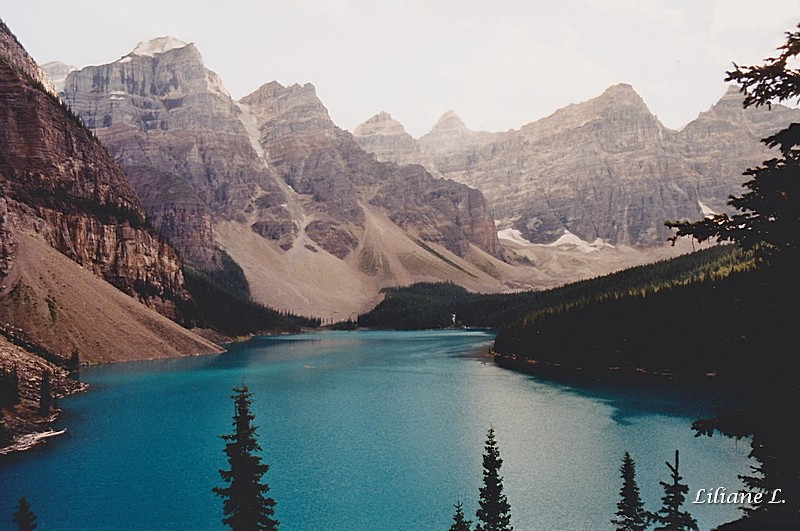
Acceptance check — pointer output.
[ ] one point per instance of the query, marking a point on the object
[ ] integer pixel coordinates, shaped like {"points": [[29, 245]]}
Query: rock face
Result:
{"points": [[15, 56], [59, 182], [386, 138], [181, 140], [318, 159], [605, 168], [214, 173]]}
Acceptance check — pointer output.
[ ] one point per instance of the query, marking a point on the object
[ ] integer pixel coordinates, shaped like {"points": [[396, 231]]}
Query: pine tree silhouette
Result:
{"points": [[631, 515], [245, 504], [24, 517], [460, 523], [670, 514], [495, 512]]}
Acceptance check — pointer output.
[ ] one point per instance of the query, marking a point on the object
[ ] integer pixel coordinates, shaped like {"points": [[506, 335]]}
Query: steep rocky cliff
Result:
{"points": [[182, 141], [60, 183], [71, 229], [605, 168]]}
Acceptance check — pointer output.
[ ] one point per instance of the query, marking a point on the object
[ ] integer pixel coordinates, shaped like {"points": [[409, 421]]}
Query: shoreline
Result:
{"points": [[623, 377]]}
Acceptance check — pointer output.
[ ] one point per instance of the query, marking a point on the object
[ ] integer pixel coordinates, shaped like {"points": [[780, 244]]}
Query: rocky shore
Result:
{"points": [[22, 425]]}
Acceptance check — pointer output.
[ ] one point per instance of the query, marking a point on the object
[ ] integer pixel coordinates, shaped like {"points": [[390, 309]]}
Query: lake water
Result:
{"points": [[362, 431]]}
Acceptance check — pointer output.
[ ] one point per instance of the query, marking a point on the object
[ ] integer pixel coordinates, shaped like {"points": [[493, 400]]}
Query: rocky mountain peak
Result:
{"points": [[388, 140], [182, 140], [448, 135], [60, 183], [158, 45], [380, 124], [617, 102], [296, 95], [449, 122], [292, 112], [622, 91]]}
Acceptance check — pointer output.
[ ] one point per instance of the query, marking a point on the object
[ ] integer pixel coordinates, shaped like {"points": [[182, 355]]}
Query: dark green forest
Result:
{"points": [[427, 305]]}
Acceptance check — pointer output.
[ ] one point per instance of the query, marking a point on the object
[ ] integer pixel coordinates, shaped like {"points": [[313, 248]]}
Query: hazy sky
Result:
{"points": [[498, 64]]}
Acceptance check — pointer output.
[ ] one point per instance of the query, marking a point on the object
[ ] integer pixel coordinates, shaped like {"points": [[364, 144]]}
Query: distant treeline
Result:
{"points": [[426, 306], [221, 301]]}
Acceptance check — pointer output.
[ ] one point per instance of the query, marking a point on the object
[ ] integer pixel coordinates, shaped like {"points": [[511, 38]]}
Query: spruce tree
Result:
{"points": [[9, 387], [460, 522], [670, 515], [5, 437], [74, 363], [495, 512], [45, 394], [245, 505], [631, 515], [24, 517]]}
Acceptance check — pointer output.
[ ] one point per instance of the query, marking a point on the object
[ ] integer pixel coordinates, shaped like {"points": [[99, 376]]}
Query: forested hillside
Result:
{"points": [[442, 305]]}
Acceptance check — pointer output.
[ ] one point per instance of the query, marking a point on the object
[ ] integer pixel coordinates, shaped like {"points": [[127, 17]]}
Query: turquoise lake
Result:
{"points": [[362, 431]]}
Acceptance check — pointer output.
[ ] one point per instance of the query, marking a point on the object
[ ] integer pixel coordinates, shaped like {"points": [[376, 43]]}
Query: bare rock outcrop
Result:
{"points": [[388, 140], [321, 160], [183, 142], [59, 182]]}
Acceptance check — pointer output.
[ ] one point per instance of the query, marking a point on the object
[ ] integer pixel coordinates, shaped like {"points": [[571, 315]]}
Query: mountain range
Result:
{"points": [[605, 169], [118, 179], [318, 225], [296, 201], [320, 219]]}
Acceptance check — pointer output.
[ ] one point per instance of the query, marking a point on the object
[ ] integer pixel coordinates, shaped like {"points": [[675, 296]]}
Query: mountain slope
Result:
{"points": [[65, 307]]}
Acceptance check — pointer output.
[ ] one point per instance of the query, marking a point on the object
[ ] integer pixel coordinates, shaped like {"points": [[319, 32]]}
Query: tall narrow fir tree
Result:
{"points": [[495, 512], [245, 504], [630, 515]]}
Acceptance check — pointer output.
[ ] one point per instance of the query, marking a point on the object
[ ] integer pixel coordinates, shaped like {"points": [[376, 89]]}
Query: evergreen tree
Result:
{"points": [[45, 394], [670, 514], [74, 363], [769, 212], [9, 387], [24, 517], [631, 515], [495, 512], [5, 437], [245, 504], [460, 522]]}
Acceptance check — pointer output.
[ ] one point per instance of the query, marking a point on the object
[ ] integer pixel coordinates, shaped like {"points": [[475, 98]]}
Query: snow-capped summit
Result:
{"points": [[157, 46]]}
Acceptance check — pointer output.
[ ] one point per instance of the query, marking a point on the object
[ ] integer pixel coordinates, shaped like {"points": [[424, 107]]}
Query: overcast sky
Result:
{"points": [[498, 64]]}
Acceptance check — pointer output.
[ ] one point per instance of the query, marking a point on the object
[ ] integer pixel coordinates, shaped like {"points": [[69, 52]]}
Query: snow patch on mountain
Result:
{"points": [[158, 45], [707, 212], [567, 240], [513, 235]]}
